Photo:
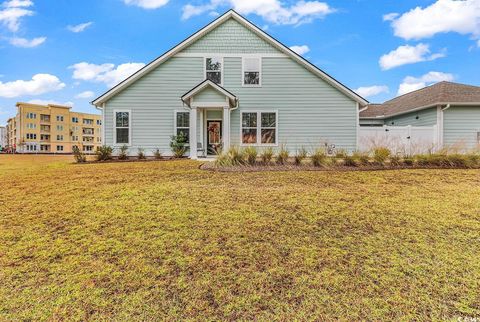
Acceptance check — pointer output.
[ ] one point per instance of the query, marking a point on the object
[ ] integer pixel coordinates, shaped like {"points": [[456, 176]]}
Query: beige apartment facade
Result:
{"points": [[52, 129]]}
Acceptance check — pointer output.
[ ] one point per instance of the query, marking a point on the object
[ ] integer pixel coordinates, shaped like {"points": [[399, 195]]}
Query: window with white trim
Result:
{"points": [[122, 127], [251, 71], [182, 124], [259, 128], [214, 69]]}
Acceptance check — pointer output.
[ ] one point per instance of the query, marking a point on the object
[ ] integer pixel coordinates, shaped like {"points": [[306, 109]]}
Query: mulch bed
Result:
{"points": [[210, 166], [133, 159]]}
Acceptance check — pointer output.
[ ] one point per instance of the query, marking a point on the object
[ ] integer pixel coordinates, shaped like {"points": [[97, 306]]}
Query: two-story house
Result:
{"points": [[230, 84]]}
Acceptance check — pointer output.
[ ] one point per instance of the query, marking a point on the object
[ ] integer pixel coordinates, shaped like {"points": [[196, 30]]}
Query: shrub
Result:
{"points": [[432, 159], [178, 144], [318, 158], [79, 155], [104, 153], [236, 156], [340, 154], [300, 155], [157, 154], [282, 156], [473, 159], [361, 158], [141, 154], [250, 155], [267, 155], [123, 154], [380, 155]]}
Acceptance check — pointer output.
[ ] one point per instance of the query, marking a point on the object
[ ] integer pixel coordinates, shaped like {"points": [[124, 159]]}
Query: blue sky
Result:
{"points": [[70, 51]]}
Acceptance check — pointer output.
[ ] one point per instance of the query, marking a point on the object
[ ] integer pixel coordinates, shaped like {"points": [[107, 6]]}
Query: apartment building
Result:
{"points": [[52, 129]]}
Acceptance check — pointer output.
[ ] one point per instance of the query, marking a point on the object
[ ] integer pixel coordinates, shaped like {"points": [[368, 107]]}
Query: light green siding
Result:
{"points": [[371, 122], [427, 117], [209, 95], [214, 115], [460, 126], [311, 112], [231, 37]]}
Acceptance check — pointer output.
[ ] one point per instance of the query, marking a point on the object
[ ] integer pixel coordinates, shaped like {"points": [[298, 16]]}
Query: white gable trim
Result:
{"points": [[230, 14], [188, 97]]}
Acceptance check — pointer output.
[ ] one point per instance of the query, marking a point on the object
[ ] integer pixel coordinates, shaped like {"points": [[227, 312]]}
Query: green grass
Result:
{"points": [[167, 241]]}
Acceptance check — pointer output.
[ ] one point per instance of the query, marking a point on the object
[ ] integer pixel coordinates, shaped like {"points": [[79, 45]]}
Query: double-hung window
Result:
{"points": [[182, 125], [214, 69], [252, 70], [259, 128], [122, 127]]}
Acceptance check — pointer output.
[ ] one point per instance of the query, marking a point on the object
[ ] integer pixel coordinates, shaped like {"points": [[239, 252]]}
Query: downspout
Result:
{"points": [[440, 126]]}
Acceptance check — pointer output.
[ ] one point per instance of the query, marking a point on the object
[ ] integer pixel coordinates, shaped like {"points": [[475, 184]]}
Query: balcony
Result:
{"points": [[44, 118]]}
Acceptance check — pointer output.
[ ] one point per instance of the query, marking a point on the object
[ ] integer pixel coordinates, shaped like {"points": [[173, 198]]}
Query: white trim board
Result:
{"points": [[259, 32], [115, 127]]}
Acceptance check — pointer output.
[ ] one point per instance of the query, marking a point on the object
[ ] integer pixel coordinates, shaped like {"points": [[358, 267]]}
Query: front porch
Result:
{"points": [[210, 106]]}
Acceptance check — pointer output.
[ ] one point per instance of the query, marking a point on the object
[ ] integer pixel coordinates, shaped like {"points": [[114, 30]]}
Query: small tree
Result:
{"points": [[123, 154], [79, 155], [178, 144]]}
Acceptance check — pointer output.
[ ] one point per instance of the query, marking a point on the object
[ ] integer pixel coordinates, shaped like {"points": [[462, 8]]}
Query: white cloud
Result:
{"points": [[147, 4], [80, 27], [407, 54], [301, 50], [26, 43], [39, 84], [390, 16], [411, 83], [374, 90], [272, 11], [46, 102], [443, 16], [12, 13], [86, 94], [105, 73]]}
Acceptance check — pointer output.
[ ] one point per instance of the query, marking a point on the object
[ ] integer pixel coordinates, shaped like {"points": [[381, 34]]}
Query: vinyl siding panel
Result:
{"points": [[233, 38], [427, 117], [209, 95], [460, 126]]}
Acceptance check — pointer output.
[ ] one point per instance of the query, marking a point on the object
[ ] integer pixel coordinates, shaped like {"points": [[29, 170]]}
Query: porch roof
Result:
{"points": [[187, 98]]}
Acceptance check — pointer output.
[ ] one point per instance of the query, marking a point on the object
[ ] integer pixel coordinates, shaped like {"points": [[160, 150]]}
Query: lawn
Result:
{"points": [[167, 241]]}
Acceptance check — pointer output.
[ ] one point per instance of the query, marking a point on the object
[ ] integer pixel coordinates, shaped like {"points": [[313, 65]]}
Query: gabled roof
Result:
{"points": [[442, 93], [207, 83], [259, 32]]}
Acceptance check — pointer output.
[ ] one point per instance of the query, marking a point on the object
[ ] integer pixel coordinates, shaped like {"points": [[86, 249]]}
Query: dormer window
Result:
{"points": [[213, 69]]}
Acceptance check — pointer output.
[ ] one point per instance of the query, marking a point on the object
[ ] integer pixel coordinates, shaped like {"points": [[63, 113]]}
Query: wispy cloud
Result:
{"points": [[27, 43], [105, 73], [369, 91], [85, 95], [147, 4], [80, 27], [301, 50], [407, 54], [39, 84], [411, 83], [13, 11]]}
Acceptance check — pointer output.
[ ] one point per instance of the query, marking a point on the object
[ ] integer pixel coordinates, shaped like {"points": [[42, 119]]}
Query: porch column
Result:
{"points": [[226, 128], [193, 133]]}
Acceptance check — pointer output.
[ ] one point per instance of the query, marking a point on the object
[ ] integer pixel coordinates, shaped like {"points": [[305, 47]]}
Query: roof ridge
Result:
{"points": [[415, 91]]}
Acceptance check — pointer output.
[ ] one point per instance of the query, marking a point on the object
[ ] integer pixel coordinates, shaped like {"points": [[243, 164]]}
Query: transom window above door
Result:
{"points": [[214, 69]]}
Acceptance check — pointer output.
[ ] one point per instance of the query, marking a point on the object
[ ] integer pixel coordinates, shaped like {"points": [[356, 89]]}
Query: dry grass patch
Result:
{"points": [[167, 241]]}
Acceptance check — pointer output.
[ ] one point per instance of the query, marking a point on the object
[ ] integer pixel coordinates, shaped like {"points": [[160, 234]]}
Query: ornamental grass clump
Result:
{"points": [[236, 156], [104, 153], [361, 158], [157, 154], [141, 154], [223, 160], [380, 155], [123, 153], [318, 158], [395, 160], [250, 154], [267, 155], [349, 161], [282, 156], [301, 155]]}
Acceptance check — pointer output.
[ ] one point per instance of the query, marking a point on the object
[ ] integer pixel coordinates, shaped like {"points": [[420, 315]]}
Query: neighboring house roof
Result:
{"points": [[186, 98], [442, 93], [259, 32]]}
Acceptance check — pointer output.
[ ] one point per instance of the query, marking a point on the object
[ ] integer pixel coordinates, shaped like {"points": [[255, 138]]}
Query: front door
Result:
{"points": [[214, 137]]}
